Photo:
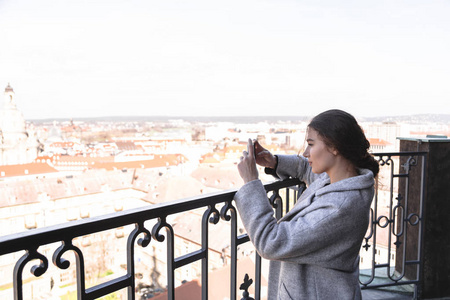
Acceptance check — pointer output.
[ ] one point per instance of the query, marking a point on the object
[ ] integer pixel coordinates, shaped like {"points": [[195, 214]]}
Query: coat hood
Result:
{"points": [[363, 181]]}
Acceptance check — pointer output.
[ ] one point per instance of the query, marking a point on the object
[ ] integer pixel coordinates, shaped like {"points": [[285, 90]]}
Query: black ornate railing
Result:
{"points": [[400, 223], [30, 241], [281, 194]]}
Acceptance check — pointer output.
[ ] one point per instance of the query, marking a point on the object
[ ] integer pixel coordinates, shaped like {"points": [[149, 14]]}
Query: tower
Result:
{"points": [[16, 147], [9, 98]]}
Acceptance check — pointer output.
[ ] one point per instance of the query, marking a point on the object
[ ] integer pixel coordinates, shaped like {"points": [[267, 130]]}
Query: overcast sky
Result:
{"points": [[87, 58]]}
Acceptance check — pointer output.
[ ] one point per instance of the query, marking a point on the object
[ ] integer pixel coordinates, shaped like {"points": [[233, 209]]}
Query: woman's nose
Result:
{"points": [[306, 152]]}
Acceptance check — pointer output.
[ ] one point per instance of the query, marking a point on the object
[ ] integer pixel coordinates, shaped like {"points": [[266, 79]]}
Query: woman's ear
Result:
{"points": [[334, 151]]}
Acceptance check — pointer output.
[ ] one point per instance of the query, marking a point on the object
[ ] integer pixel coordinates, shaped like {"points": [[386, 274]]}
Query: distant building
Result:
{"points": [[387, 131], [17, 146], [379, 145], [37, 203]]}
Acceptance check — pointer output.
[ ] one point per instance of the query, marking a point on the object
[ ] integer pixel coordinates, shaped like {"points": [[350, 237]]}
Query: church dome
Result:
{"points": [[8, 89], [54, 135], [11, 119]]}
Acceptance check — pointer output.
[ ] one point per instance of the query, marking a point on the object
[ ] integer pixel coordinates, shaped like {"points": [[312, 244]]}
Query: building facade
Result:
{"points": [[17, 146]]}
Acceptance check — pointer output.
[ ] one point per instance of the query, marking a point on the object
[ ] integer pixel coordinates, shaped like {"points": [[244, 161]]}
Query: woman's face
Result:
{"points": [[320, 157]]}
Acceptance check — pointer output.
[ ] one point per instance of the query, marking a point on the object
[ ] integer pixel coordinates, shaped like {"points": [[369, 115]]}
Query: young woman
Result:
{"points": [[314, 248]]}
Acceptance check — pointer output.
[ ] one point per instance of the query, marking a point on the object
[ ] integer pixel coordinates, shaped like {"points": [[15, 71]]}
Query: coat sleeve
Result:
{"points": [[295, 166], [317, 237]]}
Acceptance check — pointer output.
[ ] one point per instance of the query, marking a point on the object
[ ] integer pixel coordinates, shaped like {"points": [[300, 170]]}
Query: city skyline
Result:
{"points": [[71, 59]]}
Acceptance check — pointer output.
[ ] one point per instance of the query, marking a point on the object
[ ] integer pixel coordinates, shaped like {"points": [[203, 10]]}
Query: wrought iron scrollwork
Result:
{"points": [[384, 224], [228, 213], [410, 219], [66, 234], [395, 223], [140, 229], [62, 263], [157, 228], [162, 223], [277, 202], [226, 210], [143, 242], [411, 162], [275, 199], [382, 161], [36, 270], [213, 214], [369, 236], [398, 212]]}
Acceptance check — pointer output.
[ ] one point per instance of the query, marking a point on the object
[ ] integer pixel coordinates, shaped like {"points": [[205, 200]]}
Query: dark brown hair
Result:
{"points": [[341, 131]]}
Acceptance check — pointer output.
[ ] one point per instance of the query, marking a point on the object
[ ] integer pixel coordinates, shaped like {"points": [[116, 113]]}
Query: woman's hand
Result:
{"points": [[264, 157], [247, 165]]}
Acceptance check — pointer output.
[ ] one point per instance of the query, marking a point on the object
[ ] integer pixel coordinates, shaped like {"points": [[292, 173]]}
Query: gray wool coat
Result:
{"points": [[314, 248]]}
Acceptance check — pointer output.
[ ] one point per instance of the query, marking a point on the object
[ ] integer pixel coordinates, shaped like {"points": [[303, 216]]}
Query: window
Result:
{"points": [[72, 214], [84, 213], [66, 277], [30, 222]]}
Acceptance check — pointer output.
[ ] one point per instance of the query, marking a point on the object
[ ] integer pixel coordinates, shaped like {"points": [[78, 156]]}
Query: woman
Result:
{"points": [[314, 248]]}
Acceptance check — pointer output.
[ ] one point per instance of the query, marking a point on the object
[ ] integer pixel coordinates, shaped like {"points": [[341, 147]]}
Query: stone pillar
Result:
{"points": [[436, 234]]}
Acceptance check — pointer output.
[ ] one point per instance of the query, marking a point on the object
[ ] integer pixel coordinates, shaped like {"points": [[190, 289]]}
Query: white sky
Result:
{"points": [[87, 58]]}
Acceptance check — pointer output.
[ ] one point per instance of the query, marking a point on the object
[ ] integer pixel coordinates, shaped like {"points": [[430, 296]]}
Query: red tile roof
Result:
{"points": [[108, 163], [55, 159], [378, 142], [221, 176], [173, 188], [211, 158], [26, 169], [63, 144], [157, 162], [29, 191], [127, 145], [74, 128], [188, 291], [234, 150]]}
